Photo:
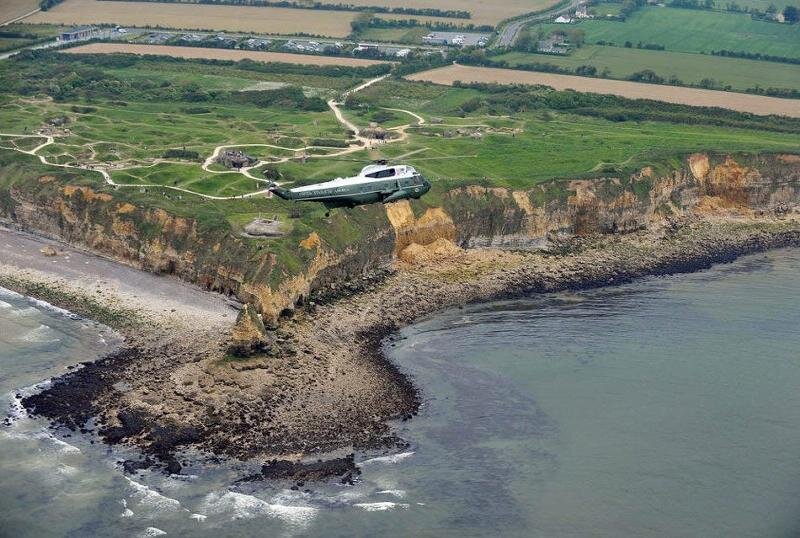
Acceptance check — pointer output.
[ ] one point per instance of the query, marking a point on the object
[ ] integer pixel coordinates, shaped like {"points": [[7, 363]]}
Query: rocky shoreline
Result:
{"points": [[325, 388]]}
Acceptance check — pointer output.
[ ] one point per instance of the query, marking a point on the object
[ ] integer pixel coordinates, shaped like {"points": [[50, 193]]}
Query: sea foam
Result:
{"points": [[42, 334], [152, 531], [380, 506], [243, 506], [152, 500], [394, 458]]}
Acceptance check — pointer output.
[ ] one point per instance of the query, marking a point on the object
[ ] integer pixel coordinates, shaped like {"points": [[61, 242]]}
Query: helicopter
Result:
{"points": [[377, 182]]}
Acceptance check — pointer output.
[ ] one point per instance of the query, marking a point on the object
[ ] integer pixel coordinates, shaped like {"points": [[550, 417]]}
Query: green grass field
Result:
{"points": [[604, 10], [688, 30], [224, 77], [18, 35], [551, 146], [10, 43], [621, 62], [760, 5], [394, 35]]}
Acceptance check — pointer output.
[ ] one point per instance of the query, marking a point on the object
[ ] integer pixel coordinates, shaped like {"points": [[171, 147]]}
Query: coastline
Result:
{"points": [[326, 388]]}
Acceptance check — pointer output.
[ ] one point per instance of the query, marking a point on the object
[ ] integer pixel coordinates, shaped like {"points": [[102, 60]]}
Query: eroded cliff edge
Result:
{"points": [[320, 383], [218, 259]]}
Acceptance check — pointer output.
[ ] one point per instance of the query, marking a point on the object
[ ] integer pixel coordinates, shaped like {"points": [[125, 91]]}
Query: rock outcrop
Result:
{"points": [[248, 336]]}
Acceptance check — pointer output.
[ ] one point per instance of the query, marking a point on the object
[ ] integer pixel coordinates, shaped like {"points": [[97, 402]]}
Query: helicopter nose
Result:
{"points": [[426, 185]]}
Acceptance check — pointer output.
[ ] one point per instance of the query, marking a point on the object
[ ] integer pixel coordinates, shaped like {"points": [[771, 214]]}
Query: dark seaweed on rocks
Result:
{"points": [[70, 399], [343, 468]]}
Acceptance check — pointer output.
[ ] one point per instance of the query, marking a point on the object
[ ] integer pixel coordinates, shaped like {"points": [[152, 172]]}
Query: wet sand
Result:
{"points": [[167, 300]]}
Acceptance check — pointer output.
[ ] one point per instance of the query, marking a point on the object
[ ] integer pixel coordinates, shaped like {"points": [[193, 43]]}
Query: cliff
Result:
{"points": [[277, 275]]}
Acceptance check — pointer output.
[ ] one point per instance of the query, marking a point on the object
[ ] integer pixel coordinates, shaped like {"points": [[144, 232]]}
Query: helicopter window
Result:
{"points": [[389, 172]]}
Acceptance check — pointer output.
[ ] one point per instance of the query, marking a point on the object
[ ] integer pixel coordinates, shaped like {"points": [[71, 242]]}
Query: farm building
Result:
{"points": [[78, 34], [561, 19]]}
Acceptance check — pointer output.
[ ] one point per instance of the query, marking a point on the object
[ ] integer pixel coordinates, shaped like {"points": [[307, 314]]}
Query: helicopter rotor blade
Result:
{"points": [[447, 157], [329, 159], [410, 153]]}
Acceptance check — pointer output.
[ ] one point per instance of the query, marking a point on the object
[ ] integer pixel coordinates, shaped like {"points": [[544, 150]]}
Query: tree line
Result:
{"points": [[44, 5], [756, 56]]}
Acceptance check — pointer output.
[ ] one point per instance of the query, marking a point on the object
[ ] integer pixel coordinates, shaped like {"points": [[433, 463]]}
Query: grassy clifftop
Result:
{"points": [[508, 165]]}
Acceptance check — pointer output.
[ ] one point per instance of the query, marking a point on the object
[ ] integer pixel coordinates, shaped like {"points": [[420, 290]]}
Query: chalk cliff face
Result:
{"points": [[413, 232]]}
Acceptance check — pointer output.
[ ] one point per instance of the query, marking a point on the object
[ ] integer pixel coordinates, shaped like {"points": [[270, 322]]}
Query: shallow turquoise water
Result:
{"points": [[668, 407]]}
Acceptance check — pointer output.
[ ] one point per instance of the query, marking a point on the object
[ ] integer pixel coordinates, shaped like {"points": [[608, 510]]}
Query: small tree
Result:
{"points": [[577, 37]]}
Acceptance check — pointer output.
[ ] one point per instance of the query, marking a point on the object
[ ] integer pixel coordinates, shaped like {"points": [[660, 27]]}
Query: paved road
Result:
{"points": [[510, 32]]}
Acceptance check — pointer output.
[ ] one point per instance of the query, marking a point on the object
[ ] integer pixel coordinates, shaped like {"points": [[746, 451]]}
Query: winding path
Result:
{"points": [[361, 143]]}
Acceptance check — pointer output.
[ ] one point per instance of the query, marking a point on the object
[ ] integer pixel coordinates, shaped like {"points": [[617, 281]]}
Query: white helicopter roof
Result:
{"points": [[373, 168]]}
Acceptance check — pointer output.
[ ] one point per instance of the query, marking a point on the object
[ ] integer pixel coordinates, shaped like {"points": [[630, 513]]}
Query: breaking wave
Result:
{"points": [[380, 506], [243, 506], [151, 500], [41, 335], [394, 458]]}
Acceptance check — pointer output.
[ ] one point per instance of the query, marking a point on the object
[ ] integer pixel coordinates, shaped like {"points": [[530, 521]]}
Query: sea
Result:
{"points": [[668, 407]]}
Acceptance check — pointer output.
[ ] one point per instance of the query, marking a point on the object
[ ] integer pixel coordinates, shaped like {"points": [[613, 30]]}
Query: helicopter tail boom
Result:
{"points": [[281, 193]]}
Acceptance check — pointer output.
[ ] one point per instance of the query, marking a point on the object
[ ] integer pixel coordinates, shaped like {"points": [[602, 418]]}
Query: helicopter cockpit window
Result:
{"points": [[389, 172]]}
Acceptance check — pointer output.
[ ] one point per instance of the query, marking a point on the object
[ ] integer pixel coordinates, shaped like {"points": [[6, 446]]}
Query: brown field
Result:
{"points": [[756, 104], [263, 20], [482, 11], [11, 9], [217, 54]]}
